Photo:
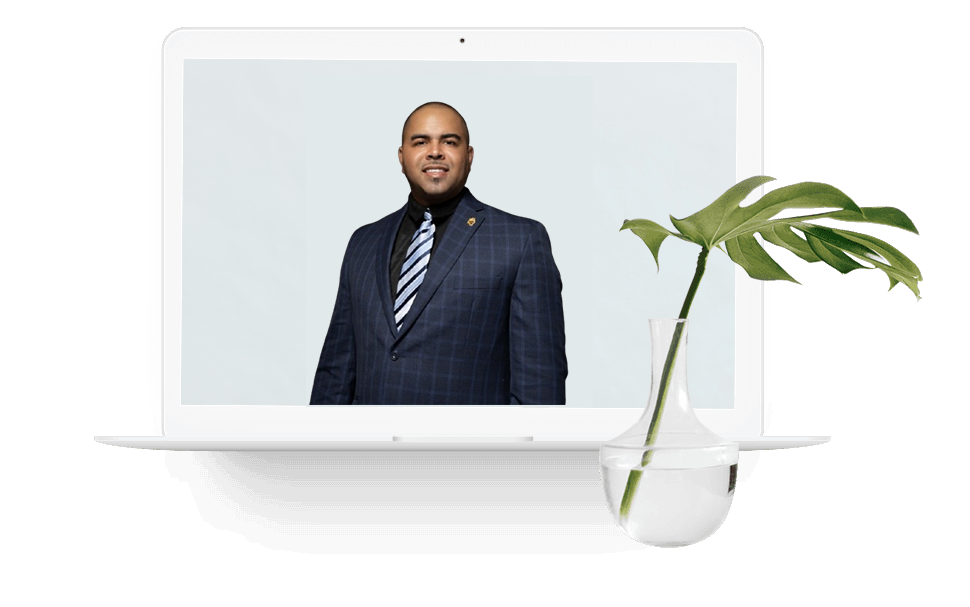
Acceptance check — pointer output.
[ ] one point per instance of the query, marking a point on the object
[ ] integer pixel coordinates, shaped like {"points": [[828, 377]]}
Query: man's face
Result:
{"points": [[435, 155]]}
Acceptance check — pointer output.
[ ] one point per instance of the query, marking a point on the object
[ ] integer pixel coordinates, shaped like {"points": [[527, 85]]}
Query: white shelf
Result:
{"points": [[383, 444]]}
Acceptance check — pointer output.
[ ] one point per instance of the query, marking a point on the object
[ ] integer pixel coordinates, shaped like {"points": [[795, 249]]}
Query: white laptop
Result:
{"points": [[279, 144]]}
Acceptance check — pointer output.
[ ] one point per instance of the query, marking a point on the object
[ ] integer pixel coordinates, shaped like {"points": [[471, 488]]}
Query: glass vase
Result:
{"points": [[669, 481]]}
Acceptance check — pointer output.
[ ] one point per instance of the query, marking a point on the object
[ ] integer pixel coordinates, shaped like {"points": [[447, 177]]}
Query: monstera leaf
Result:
{"points": [[728, 226]]}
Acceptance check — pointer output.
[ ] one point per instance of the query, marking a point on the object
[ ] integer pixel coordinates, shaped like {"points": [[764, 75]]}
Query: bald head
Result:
{"points": [[437, 105]]}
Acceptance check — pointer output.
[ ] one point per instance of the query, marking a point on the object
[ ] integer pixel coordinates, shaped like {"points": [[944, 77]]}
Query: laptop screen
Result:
{"points": [[285, 154]]}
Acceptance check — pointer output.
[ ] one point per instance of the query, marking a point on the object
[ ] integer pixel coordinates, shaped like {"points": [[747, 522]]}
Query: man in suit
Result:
{"points": [[446, 301]]}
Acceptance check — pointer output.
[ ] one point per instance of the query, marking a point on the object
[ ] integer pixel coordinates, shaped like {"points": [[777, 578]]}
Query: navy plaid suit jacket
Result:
{"points": [[486, 326]]}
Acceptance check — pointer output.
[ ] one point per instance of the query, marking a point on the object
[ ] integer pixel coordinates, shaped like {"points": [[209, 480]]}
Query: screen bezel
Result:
{"points": [[739, 46]]}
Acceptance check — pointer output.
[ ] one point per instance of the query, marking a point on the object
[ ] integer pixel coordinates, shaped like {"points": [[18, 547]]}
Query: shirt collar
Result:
{"points": [[438, 211]]}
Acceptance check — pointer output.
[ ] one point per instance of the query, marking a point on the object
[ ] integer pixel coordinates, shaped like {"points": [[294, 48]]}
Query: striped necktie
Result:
{"points": [[414, 268]]}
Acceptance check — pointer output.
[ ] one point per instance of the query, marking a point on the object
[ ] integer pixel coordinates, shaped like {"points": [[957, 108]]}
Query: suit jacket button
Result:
{"points": [[394, 356]]}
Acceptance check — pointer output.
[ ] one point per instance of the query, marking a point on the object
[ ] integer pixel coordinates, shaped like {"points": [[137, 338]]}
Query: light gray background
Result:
{"points": [[285, 159]]}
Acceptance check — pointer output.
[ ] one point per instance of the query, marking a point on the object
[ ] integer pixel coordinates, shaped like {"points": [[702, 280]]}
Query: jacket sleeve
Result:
{"points": [[537, 334], [336, 377]]}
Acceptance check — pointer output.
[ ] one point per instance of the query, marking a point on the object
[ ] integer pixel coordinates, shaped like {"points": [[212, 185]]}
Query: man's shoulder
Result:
{"points": [[503, 224], [376, 228], [498, 217]]}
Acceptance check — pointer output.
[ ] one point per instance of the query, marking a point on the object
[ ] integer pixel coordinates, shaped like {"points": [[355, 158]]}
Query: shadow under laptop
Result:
{"points": [[405, 501]]}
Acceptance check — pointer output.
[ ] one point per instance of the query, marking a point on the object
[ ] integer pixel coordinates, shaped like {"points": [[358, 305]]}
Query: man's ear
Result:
{"points": [[471, 155], [400, 157]]}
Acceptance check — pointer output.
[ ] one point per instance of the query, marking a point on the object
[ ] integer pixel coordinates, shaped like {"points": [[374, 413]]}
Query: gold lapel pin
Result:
{"points": [[471, 221]]}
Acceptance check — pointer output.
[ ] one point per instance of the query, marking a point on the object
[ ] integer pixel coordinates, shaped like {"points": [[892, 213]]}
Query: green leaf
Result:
{"points": [[797, 196], [897, 266], [870, 249], [896, 277], [653, 234], [878, 215], [781, 235], [887, 216], [834, 246], [888, 252], [747, 253], [725, 222], [703, 226], [831, 255]]}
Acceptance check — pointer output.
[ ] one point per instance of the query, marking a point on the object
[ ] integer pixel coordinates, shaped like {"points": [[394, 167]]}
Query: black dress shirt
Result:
{"points": [[440, 214]]}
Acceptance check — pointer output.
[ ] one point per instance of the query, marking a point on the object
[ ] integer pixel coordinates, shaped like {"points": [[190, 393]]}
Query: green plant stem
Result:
{"points": [[698, 274], [633, 481]]}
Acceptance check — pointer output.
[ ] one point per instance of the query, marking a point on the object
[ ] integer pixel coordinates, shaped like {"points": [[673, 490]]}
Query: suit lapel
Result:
{"points": [[387, 238], [460, 230]]}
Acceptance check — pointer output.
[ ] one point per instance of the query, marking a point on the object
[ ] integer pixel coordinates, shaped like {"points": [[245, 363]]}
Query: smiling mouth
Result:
{"points": [[435, 171]]}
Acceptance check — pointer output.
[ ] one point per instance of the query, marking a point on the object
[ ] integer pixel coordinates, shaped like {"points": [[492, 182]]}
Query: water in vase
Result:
{"points": [[672, 507]]}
